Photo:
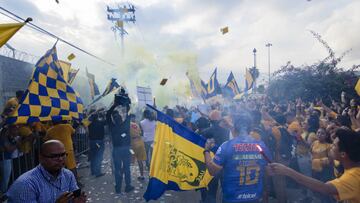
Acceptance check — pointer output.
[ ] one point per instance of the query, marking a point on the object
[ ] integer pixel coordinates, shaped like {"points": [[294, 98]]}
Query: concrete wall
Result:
{"points": [[15, 75]]}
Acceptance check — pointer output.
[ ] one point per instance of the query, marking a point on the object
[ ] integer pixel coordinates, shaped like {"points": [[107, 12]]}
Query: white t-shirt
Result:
{"points": [[148, 128]]}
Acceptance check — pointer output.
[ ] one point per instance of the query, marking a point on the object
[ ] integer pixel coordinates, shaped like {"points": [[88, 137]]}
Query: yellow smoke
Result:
{"points": [[142, 67]]}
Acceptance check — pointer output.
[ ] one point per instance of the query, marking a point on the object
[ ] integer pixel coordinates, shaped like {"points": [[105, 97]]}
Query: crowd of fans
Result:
{"points": [[299, 135], [296, 135]]}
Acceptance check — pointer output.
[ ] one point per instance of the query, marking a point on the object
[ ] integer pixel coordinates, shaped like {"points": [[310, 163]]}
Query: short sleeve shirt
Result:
{"points": [[63, 133], [243, 169], [25, 146], [348, 186]]}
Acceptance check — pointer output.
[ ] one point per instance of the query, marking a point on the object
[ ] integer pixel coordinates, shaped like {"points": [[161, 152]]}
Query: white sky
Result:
{"points": [[192, 28]]}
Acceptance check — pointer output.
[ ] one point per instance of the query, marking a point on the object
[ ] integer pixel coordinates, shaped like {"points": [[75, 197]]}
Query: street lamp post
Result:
{"points": [[254, 51], [254, 88], [268, 45]]}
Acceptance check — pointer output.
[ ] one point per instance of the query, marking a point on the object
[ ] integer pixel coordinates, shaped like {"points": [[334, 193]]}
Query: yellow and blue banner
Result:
{"points": [[249, 81], [231, 87], [65, 69], [213, 86], [94, 89], [112, 85], [48, 97], [177, 161], [203, 89], [72, 75]]}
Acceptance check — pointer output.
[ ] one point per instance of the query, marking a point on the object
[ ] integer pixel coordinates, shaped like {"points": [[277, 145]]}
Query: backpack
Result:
{"points": [[286, 142]]}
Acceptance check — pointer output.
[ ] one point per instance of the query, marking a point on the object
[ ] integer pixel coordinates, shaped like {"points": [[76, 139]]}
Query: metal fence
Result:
{"points": [[11, 52], [81, 142]]}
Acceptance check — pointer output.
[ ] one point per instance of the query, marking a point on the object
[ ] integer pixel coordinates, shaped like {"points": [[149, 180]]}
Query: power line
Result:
{"points": [[39, 29]]}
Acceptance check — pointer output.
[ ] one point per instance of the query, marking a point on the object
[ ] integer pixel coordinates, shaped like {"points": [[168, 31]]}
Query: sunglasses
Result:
{"points": [[54, 156]]}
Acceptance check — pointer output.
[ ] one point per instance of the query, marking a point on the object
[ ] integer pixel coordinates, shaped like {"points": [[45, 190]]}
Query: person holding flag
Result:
{"points": [[241, 162], [220, 135], [177, 162], [118, 120]]}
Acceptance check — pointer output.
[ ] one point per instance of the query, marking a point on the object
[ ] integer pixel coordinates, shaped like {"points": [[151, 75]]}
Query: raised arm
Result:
{"points": [[311, 183]]}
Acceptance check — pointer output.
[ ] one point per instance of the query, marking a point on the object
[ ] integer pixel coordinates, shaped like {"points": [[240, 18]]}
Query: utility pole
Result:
{"points": [[268, 45], [119, 15]]}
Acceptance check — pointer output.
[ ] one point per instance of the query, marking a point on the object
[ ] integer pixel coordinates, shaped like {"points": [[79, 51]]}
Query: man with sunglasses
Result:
{"points": [[49, 181]]}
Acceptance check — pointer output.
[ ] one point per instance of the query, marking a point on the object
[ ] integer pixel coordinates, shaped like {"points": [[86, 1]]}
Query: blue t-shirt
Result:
{"points": [[243, 169]]}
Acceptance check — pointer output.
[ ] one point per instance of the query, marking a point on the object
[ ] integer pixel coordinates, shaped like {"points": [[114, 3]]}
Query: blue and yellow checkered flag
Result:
{"points": [[48, 97]]}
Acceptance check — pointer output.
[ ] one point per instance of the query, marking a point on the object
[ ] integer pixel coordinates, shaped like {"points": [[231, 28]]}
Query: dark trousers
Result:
{"points": [[208, 195], [148, 150], [122, 160], [96, 156]]}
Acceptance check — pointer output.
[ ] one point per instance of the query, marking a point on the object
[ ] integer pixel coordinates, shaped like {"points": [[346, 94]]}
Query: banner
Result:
{"points": [[48, 97], [177, 161]]}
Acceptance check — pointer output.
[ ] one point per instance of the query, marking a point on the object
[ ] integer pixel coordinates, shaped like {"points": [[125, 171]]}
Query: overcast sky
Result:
{"points": [[170, 33]]}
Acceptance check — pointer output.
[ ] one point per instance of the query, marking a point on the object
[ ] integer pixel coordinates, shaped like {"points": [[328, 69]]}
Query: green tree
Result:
{"points": [[261, 89], [323, 80], [319, 81]]}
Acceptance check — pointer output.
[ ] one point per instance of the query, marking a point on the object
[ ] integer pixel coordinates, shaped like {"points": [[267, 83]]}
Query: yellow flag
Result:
{"points": [[120, 23], [65, 67], [8, 30], [357, 87], [72, 74], [224, 30], [177, 159], [48, 96], [71, 57]]}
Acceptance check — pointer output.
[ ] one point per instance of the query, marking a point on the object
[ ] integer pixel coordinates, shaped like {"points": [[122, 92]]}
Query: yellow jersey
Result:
{"points": [[348, 186], [295, 128], [320, 155], [63, 133], [25, 146]]}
